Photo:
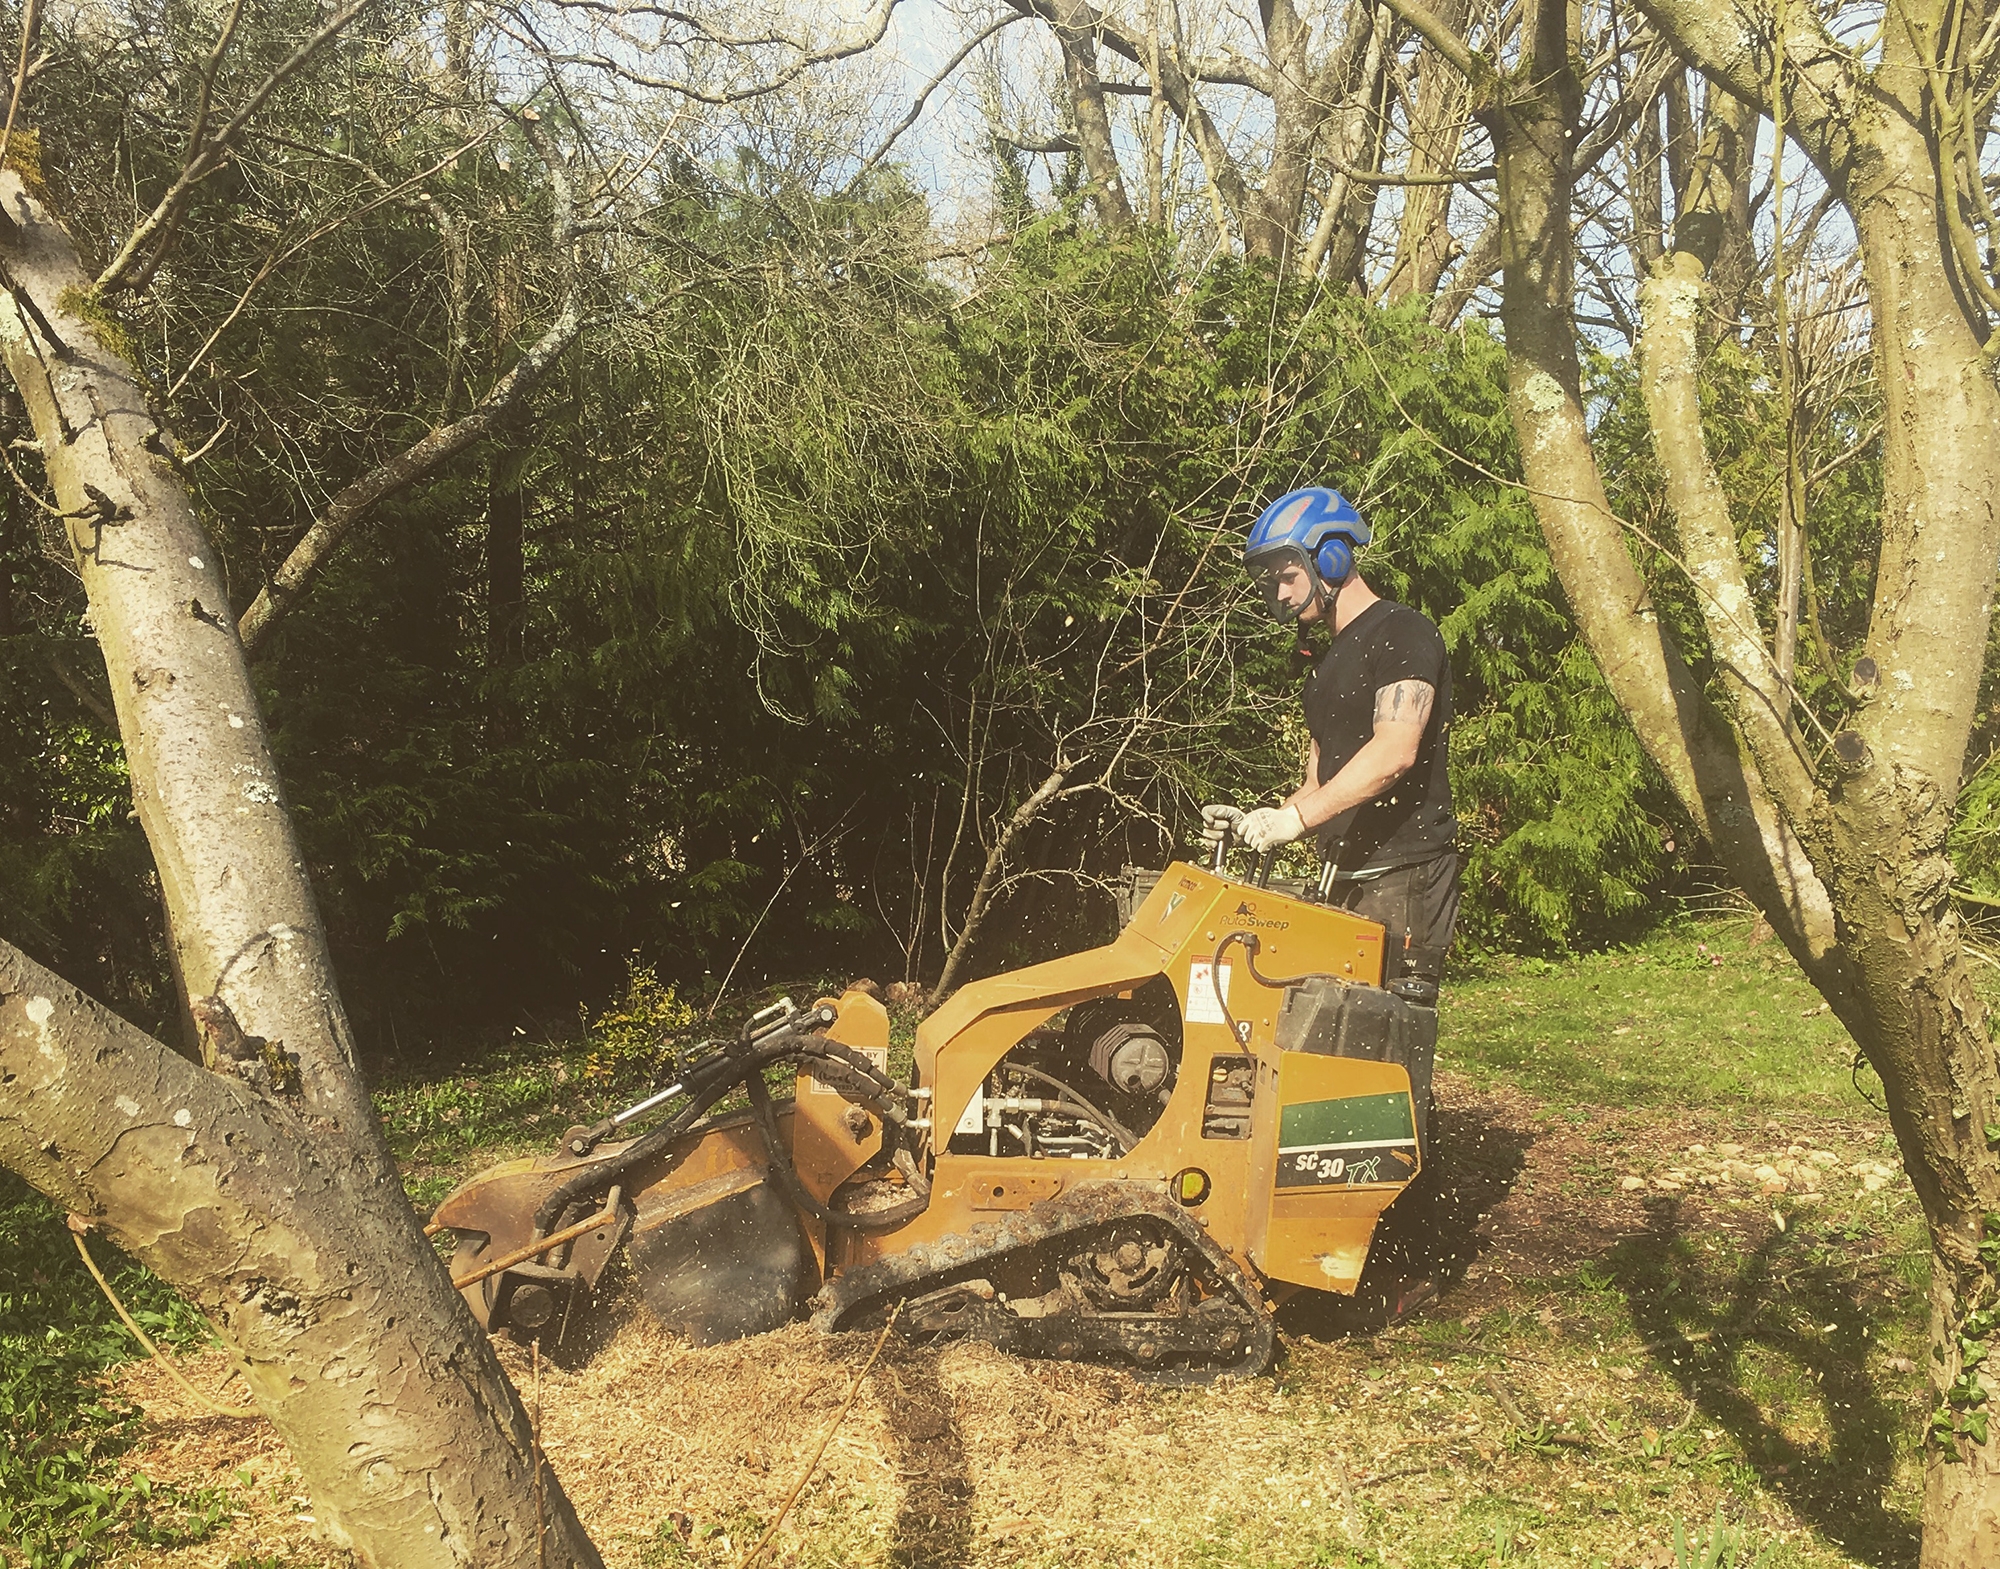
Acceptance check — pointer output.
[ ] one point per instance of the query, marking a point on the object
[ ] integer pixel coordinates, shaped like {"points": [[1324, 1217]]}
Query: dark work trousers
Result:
{"points": [[1417, 907]]}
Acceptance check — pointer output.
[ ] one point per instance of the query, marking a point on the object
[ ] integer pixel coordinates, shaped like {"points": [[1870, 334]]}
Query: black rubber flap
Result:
{"points": [[732, 1268]]}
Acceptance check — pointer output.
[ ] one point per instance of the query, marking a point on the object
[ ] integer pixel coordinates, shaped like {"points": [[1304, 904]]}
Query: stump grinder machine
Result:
{"points": [[1128, 1155]]}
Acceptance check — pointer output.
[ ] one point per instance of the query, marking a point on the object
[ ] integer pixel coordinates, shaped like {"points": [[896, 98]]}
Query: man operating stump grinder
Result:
{"points": [[1376, 793], [987, 1196]]}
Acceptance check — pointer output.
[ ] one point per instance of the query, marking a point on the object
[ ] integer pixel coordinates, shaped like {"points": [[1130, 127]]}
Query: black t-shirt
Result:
{"points": [[1413, 821]]}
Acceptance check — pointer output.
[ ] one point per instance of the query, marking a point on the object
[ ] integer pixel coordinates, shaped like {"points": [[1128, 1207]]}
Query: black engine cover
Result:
{"points": [[1336, 1019]]}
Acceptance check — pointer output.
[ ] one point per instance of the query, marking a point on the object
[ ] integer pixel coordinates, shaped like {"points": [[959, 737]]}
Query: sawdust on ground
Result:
{"points": [[963, 1456]]}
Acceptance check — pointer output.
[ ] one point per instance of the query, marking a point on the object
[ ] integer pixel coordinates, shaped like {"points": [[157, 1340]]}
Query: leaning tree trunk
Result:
{"points": [[1881, 819], [258, 1184], [1888, 814], [1531, 118], [1849, 862]]}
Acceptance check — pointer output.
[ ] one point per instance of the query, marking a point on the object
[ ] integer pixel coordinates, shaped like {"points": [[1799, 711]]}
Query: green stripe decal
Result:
{"points": [[1355, 1119]]}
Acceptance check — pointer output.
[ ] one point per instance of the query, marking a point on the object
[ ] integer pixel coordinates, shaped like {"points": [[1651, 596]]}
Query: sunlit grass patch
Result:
{"points": [[65, 1497], [1695, 1015]]}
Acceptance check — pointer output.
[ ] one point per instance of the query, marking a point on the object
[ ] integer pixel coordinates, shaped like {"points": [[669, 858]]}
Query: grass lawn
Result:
{"points": [[1680, 1293], [1701, 1015]]}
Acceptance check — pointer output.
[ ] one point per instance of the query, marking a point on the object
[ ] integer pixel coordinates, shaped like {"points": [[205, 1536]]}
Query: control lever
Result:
{"points": [[1328, 866], [1222, 848]]}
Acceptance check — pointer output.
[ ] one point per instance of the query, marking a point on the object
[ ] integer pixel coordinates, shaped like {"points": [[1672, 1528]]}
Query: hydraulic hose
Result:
{"points": [[788, 1177], [707, 1083], [1103, 1119], [1251, 946], [714, 1078]]}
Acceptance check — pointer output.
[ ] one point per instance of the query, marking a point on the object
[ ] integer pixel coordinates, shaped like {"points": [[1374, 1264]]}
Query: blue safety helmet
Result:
{"points": [[1314, 528]]}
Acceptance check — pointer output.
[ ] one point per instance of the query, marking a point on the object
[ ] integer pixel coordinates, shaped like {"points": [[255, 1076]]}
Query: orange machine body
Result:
{"points": [[1303, 1226], [1276, 1164]]}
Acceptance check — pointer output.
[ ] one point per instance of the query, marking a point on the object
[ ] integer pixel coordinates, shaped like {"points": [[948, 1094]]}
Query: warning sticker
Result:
{"points": [[879, 1055], [1203, 1006]]}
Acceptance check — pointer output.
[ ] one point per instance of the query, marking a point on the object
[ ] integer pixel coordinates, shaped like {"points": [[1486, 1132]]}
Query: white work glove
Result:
{"points": [[1270, 826], [1217, 822]]}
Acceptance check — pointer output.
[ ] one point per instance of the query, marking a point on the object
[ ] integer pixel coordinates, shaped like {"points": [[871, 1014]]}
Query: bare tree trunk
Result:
{"points": [[1236, 200], [1790, 529], [1759, 688], [1075, 32], [296, 1238], [506, 563], [1903, 755], [1424, 243], [1886, 813], [1852, 872], [1156, 124], [1707, 769], [1271, 227], [1681, 139], [1711, 203], [1347, 255], [1352, 83]]}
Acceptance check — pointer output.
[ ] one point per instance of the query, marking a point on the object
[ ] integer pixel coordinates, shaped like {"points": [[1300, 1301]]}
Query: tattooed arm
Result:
{"points": [[1402, 710], [1405, 706]]}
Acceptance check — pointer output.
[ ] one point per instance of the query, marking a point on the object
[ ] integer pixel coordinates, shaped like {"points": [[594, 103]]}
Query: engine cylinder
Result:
{"points": [[1131, 1056]]}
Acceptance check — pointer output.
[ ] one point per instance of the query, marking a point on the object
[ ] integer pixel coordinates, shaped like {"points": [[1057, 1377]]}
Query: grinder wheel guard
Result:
{"points": [[1127, 1155]]}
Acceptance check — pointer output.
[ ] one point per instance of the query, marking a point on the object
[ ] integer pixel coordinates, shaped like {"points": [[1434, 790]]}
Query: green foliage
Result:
{"points": [[1962, 1414], [1723, 1546], [631, 1039], [824, 567], [1975, 839], [77, 881], [64, 1500]]}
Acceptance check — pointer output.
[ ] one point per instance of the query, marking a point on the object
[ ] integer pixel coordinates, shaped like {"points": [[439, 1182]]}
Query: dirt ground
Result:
{"points": [[1641, 1320]]}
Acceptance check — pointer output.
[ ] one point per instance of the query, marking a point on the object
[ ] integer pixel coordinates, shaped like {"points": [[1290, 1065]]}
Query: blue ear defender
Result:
{"points": [[1335, 560]]}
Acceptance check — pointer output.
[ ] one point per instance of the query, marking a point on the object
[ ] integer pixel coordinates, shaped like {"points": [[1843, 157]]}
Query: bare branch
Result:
{"points": [[989, 876], [1384, 177], [1059, 143], [277, 258], [923, 96], [205, 94], [1450, 47], [861, 42], [205, 157], [1176, 85], [346, 509]]}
